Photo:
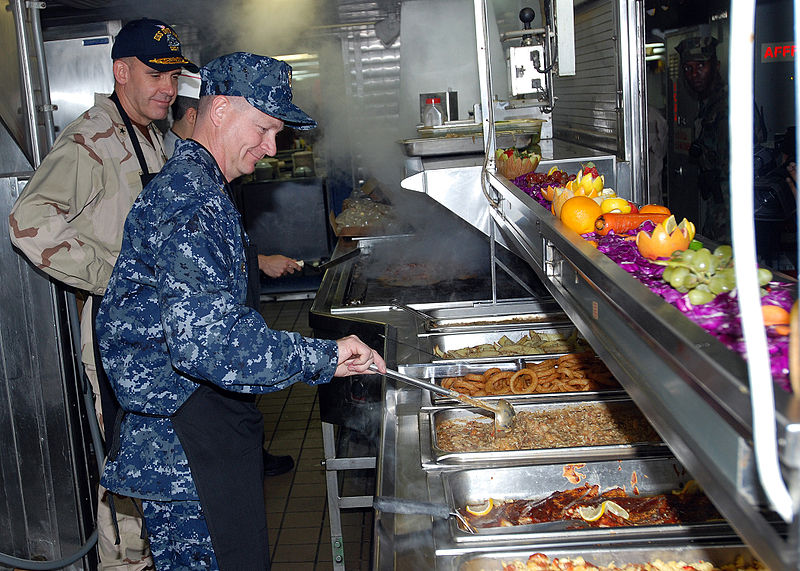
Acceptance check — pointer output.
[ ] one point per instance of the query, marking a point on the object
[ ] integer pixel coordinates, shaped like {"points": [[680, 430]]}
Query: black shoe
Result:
{"points": [[276, 465]]}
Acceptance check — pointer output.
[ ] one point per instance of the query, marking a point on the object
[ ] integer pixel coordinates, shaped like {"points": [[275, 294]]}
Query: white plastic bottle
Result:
{"points": [[433, 113]]}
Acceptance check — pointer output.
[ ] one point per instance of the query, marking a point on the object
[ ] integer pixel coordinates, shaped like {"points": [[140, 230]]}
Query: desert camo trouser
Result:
{"points": [[133, 552]]}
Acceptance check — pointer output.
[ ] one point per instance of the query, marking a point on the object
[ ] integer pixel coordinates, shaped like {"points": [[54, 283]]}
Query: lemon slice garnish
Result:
{"points": [[552, 170], [593, 513], [481, 508], [614, 205], [617, 510]]}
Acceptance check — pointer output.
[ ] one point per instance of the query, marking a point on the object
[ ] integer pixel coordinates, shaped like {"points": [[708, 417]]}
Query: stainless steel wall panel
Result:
{"points": [[359, 11], [587, 107], [12, 159], [73, 83], [366, 105]]}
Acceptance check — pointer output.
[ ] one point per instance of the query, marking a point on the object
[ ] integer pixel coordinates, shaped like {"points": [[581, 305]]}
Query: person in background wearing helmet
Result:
{"points": [[186, 348], [68, 219], [709, 149]]}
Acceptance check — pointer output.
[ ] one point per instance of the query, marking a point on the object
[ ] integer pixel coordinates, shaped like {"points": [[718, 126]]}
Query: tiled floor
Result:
{"points": [[296, 502]]}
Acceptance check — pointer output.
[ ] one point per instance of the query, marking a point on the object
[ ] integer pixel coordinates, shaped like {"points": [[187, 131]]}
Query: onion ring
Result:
{"points": [[489, 372], [529, 387], [498, 383], [464, 386]]}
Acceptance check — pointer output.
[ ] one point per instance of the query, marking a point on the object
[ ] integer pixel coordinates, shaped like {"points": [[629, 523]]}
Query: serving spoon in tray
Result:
{"points": [[443, 511], [502, 409]]}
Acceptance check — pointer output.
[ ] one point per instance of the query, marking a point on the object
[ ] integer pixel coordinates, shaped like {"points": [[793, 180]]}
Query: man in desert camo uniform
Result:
{"points": [[68, 220]]}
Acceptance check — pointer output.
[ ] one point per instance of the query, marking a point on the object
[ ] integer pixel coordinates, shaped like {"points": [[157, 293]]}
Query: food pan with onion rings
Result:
{"points": [[568, 376]]}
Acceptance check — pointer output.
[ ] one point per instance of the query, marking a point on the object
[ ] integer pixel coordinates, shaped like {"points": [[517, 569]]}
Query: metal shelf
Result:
{"points": [[691, 387]]}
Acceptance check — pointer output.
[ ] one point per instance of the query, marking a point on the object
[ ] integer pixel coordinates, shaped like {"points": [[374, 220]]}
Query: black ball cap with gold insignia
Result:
{"points": [[153, 43]]}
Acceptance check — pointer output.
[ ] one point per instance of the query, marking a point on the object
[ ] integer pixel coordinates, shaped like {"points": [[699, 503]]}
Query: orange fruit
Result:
{"points": [[549, 192], [774, 315], [654, 209], [579, 213], [559, 199]]}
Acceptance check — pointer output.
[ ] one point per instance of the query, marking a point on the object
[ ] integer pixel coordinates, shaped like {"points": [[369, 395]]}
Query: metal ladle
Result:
{"points": [[502, 409]]}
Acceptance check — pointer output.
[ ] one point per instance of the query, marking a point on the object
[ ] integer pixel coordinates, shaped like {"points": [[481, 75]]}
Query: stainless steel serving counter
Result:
{"points": [[420, 542]]}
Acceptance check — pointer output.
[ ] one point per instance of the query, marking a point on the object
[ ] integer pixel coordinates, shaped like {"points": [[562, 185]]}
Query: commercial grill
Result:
{"points": [[407, 270]]}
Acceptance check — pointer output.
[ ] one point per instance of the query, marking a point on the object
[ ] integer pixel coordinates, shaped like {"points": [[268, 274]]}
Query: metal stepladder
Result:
{"points": [[333, 465]]}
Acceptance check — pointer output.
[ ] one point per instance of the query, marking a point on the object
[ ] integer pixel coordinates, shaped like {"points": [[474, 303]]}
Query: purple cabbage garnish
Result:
{"points": [[720, 317]]}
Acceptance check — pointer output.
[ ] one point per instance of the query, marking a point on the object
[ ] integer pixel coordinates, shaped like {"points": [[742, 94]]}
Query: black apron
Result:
{"points": [[222, 433], [108, 400]]}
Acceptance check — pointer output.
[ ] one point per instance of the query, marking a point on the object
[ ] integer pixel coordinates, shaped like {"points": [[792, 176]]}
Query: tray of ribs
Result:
{"points": [[542, 432], [624, 500]]}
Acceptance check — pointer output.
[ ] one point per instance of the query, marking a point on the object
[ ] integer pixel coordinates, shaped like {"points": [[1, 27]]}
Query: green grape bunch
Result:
{"points": [[703, 274]]}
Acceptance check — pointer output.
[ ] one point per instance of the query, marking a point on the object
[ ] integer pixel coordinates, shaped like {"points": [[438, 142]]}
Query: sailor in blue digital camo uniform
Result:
{"points": [[185, 352]]}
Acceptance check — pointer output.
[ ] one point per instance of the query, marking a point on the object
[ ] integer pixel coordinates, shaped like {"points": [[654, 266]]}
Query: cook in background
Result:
{"points": [[184, 113], [186, 349], [68, 219]]}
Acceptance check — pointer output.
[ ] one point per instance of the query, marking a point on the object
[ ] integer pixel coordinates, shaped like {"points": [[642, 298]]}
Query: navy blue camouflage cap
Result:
{"points": [[265, 83], [153, 43]]}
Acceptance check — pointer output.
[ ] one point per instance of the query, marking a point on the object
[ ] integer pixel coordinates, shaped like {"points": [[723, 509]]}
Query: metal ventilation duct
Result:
{"points": [[82, 4]]}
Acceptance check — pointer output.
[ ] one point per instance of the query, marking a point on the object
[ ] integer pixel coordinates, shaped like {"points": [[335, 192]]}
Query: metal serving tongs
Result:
{"points": [[404, 506], [426, 319], [502, 409], [442, 511]]}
